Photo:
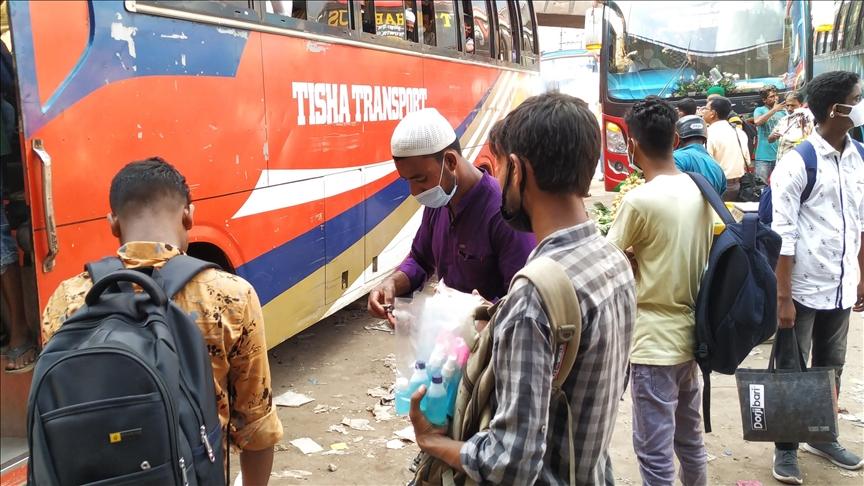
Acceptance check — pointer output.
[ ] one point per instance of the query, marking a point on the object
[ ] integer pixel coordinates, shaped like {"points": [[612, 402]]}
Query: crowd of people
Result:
{"points": [[636, 287]]}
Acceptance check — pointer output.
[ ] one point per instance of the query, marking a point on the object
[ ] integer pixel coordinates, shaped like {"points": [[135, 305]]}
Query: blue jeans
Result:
{"points": [[764, 168], [8, 246], [666, 417]]}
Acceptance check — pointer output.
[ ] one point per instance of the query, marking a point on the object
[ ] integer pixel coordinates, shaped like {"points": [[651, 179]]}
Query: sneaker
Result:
{"points": [[837, 454], [786, 467]]}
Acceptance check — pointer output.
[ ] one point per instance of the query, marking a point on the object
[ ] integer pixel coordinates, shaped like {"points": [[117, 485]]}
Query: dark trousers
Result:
{"points": [[825, 331]]}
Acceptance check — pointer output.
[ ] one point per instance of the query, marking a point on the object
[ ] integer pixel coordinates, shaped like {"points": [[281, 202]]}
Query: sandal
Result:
{"points": [[21, 359]]}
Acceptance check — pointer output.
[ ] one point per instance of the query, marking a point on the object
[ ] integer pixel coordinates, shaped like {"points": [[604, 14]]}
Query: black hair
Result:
{"points": [[558, 135], [147, 182], [766, 91], [799, 96], [687, 106], [722, 106], [651, 122], [827, 89], [439, 156]]}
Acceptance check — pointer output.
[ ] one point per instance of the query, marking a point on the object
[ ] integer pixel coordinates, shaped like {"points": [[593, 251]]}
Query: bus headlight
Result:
{"points": [[615, 141]]}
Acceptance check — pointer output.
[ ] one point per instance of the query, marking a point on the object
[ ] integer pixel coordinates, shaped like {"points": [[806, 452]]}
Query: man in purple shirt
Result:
{"points": [[462, 237]]}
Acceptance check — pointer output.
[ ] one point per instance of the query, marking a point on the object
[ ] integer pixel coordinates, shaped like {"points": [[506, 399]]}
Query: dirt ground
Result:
{"points": [[340, 359]]}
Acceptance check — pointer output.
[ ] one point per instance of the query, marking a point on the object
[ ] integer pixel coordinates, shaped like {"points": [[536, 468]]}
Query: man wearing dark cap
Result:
{"points": [[691, 155]]}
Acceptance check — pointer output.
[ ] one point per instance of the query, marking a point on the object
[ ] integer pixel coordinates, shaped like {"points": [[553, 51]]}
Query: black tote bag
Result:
{"points": [[779, 405]]}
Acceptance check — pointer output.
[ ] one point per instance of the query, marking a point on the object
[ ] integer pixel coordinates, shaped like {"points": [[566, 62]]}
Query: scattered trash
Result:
{"points": [[382, 413], [325, 409], [406, 434], [357, 424], [339, 446], [380, 392], [307, 445], [314, 381], [381, 326], [395, 444], [280, 448], [711, 457], [291, 474], [292, 399], [358, 439], [332, 467], [856, 420], [335, 453], [727, 452], [339, 429], [748, 482]]}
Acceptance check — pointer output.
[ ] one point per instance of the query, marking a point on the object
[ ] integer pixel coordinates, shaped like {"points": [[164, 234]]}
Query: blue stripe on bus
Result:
{"points": [[283, 267], [162, 47]]}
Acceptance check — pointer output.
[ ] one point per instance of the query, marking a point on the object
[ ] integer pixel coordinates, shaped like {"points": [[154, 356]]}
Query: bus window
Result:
{"points": [[476, 22], [853, 25], [322, 11], [529, 46], [837, 44], [221, 8], [444, 27], [427, 16], [506, 48], [391, 19]]}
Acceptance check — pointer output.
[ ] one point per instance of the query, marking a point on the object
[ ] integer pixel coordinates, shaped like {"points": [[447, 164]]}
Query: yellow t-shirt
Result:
{"points": [[668, 225]]}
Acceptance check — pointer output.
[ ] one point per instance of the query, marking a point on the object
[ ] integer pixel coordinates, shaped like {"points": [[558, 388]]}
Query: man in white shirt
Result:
{"points": [[726, 144], [819, 270]]}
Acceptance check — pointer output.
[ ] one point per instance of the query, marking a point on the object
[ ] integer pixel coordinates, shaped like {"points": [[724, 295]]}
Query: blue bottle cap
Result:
{"points": [[437, 379], [420, 365]]}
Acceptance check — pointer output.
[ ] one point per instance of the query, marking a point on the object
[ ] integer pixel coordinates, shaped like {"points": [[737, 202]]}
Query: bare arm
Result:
{"points": [[761, 120], [785, 305], [255, 466], [774, 137]]}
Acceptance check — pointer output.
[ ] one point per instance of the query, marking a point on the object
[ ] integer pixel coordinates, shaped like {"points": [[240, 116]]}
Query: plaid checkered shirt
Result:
{"points": [[527, 440]]}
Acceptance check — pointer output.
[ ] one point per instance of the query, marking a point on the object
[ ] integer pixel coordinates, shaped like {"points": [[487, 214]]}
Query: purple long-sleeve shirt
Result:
{"points": [[475, 249]]}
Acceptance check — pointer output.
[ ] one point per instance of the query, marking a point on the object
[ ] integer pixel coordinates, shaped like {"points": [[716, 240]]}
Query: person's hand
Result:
{"points": [[424, 432], [785, 312], [859, 303], [381, 301]]}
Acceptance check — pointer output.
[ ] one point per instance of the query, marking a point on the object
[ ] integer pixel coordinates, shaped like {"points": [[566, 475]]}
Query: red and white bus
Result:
{"points": [[279, 114]]}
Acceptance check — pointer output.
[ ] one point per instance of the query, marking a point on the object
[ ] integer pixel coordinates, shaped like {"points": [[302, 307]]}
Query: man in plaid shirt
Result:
{"points": [[547, 150]]}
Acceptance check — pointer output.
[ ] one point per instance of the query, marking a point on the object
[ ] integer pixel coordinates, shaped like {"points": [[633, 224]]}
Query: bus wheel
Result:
{"points": [[210, 253]]}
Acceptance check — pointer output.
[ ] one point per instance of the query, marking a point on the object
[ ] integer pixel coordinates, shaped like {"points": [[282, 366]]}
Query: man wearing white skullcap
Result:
{"points": [[462, 237]]}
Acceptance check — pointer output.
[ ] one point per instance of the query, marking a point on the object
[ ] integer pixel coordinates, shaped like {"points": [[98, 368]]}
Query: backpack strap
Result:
{"points": [[101, 268], [565, 322], [808, 153], [712, 197], [179, 270]]}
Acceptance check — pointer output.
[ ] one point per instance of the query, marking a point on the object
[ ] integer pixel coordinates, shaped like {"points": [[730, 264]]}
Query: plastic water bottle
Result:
{"points": [[451, 374], [403, 398], [420, 377], [436, 406]]}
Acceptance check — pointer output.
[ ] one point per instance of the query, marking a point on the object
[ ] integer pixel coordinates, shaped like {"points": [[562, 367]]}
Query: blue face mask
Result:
{"points": [[437, 197]]}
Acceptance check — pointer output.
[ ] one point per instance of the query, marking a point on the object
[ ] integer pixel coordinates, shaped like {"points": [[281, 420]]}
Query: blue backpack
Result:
{"points": [[736, 308], [808, 153]]}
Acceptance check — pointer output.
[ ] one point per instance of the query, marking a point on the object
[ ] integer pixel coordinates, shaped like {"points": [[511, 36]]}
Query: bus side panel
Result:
{"points": [[144, 86]]}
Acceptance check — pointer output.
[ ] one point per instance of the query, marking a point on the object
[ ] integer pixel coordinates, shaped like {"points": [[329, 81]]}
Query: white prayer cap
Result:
{"points": [[423, 132]]}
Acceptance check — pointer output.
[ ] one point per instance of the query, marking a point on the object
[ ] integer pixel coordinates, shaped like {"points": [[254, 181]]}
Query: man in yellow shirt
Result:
{"points": [[665, 225], [151, 214]]}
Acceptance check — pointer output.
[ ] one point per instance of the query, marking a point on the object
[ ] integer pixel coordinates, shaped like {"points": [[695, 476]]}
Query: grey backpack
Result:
{"points": [[123, 393]]}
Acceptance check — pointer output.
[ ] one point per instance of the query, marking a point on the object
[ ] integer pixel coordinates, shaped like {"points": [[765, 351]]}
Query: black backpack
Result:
{"points": [[123, 393], [736, 308]]}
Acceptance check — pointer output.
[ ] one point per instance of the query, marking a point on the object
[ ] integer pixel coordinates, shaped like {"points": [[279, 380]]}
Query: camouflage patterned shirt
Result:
{"points": [[227, 310]]}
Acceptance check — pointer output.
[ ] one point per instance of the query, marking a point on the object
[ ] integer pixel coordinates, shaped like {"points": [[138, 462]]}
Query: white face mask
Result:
{"points": [[436, 197], [856, 114]]}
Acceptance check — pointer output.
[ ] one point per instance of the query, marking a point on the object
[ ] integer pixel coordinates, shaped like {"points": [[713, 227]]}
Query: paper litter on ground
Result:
{"points": [[382, 413], [339, 429], [292, 399], [357, 424], [406, 434], [291, 474], [324, 409], [339, 446], [307, 445], [395, 444]]}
